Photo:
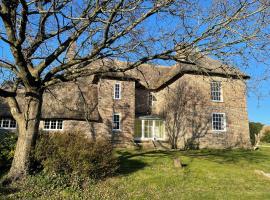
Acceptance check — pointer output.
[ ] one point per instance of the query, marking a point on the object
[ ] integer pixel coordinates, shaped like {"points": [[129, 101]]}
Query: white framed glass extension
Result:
{"points": [[149, 128]]}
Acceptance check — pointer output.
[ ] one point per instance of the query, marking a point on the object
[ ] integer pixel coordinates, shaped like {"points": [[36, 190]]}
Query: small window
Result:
{"points": [[150, 99], [116, 122], [13, 123], [216, 93], [218, 122], [54, 124], [117, 91], [8, 123], [47, 124]]}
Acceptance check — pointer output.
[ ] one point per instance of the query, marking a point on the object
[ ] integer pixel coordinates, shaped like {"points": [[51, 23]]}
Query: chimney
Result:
{"points": [[70, 55], [72, 51], [186, 53]]}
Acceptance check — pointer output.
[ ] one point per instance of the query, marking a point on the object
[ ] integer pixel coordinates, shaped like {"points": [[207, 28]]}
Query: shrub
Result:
{"points": [[73, 153], [254, 129], [266, 137], [7, 148]]}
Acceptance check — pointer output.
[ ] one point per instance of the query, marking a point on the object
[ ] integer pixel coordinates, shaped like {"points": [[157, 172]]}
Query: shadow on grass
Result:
{"points": [[6, 190], [127, 164], [229, 156], [132, 161]]}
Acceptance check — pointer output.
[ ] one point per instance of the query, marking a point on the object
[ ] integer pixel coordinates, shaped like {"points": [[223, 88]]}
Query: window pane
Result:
{"points": [[216, 91], [138, 128], [116, 121], [117, 91], [5, 123], [53, 124], [159, 129], [13, 123], [59, 124], [218, 121], [148, 124], [47, 124]]}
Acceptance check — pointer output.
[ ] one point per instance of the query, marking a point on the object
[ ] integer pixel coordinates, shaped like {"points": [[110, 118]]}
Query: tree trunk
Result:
{"points": [[174, 145], [174, 141], [28, 126]]}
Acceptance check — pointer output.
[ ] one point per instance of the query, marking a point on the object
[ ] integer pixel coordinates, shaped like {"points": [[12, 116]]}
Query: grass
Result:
{"points": [[208, 174]]}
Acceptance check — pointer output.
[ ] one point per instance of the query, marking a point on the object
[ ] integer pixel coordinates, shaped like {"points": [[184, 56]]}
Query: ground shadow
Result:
{"points": [[127, 164], [131, 161], [6, 190], [228, 155]]}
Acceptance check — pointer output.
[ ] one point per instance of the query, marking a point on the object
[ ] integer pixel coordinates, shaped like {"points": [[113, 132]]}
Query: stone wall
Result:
{"points": [[124, 106], [142, 102], [197, 121], [107, 105]]}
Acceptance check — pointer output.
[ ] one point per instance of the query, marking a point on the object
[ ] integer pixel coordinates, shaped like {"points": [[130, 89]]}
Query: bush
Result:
{"points": [[254, 129], [266, 137], [7, 148], [72, 153]]}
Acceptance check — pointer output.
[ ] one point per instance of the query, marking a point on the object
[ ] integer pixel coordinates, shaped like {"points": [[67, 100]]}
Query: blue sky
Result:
{"points": [[259, 111], [259, 91], [259, 99]]}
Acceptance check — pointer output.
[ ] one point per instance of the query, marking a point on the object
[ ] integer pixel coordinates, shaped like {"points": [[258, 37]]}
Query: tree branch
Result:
{"points": [[22, 28], [5, 93]]}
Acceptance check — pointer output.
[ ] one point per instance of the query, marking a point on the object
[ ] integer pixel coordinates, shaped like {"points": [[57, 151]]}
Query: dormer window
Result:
{"points": [[117, 91], [216, 91]]}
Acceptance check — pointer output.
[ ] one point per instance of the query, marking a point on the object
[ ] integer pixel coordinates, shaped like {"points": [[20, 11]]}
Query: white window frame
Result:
{"points": [[224, 122], [119, 91], [9, 122], [220, 91], [56, 125], [143, 138], [119, 129]]}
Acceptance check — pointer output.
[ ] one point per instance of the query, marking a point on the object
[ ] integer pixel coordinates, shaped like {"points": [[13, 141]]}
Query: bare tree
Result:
{"points": [[39, 33], [182, 115], [175, 113]]}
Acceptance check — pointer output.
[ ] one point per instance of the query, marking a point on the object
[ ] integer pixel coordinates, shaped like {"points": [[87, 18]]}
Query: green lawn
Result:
{"points": [[214, 174]]}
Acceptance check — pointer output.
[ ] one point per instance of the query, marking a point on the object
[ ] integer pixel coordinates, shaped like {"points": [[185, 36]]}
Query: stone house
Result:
{"points": [[133, 108]]}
